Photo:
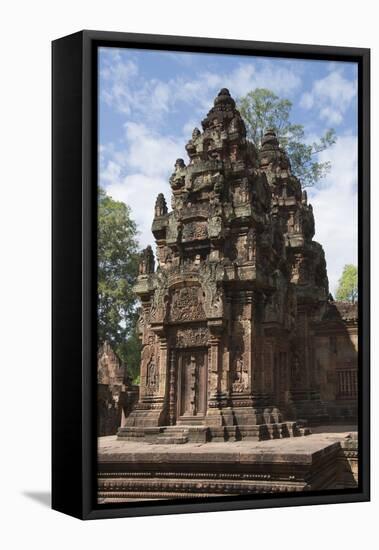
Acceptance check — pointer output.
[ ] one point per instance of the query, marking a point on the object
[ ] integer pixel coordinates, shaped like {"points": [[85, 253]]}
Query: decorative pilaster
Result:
{"points": [[214, 365], [163, 360], [172, 389]]}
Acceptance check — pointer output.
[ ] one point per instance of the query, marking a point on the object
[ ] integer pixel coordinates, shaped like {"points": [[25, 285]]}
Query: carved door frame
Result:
{"points": [[200, 390]]}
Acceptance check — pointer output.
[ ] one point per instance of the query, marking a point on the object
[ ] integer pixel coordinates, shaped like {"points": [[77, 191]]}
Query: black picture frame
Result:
{"points": [[74, 175]]}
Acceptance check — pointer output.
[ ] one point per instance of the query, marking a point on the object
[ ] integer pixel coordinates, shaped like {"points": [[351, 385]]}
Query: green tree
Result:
{"points": [[130, 352], [261, 110], [117, 272], [348, 285]]}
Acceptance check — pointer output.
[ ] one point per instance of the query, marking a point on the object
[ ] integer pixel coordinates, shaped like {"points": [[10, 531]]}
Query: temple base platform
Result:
{"points": [[139, 470], [202, 434]]}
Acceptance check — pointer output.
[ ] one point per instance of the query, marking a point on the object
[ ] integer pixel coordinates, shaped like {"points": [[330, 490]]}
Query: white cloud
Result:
{"points": [[123, 87], [188, 128], [139, 171], [331, 115], [332, 96], [116, 75], [336, 209], [139, 192], [244, 78], [307, 100], [111, 173], [149, 152], [280, 80]]}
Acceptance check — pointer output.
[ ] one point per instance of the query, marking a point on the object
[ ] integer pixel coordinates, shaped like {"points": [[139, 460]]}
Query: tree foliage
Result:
{"points": [[261, 110], [130, 352], [117, 272], [348, 284]]}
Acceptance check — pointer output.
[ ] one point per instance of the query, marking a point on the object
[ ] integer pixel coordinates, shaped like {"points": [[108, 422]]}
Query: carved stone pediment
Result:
{"points": [[187, 304], [194, 231]]}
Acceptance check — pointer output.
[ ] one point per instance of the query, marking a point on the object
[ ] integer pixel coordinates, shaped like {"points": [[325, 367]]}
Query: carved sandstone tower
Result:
{"points": [[226, 319]]}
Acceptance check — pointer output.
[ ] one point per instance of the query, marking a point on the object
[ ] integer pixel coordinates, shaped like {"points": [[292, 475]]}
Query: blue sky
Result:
{"points": [[150, 101]]}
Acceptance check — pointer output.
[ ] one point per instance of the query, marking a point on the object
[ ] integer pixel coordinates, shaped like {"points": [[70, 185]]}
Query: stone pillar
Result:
{"points": [[216, 399], [255, 354], [214, 365], [172, 389], [163, 364], [305, 395]]}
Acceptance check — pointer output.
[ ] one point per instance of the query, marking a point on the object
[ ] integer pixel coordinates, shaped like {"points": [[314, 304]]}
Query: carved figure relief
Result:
{"points": [[193, 231], [295, 370], [241, 377], [147, 262], [299, 273], [251, 245], [217, 300], [148, 358], [160, 206], [187, 304], [152, 382], [239, 352]]}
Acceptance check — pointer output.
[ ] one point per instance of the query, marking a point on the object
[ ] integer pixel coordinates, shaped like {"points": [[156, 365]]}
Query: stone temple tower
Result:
{"points": [[226, 318]]}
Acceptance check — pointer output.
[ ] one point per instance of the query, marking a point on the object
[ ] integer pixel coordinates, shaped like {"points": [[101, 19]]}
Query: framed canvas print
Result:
{"points": [[210, 274]]}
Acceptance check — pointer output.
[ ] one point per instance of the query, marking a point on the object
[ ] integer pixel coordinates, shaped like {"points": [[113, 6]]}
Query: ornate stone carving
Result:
{"points": [[160, 206], [147, 262], [191, 337], [242, 192], [251, 246], [152, 382], [178, 177], [187, 304], [149, 359], [193, 231], [295, 370], [241, 377]]}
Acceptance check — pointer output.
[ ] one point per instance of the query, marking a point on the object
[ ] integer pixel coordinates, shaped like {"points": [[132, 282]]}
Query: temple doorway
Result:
{"points": [[191, 385]]}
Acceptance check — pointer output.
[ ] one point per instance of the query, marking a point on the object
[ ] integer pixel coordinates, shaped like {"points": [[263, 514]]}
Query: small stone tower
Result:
{"points": [[226, 318]]}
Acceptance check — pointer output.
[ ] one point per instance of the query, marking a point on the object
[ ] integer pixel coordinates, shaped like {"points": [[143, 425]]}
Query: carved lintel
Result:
{"points": [[191, 337]]}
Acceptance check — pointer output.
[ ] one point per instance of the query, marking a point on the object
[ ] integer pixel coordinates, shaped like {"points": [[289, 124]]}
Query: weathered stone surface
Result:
{"points": [[115, 394], [232, 317], [336, 351], [138, 470]]}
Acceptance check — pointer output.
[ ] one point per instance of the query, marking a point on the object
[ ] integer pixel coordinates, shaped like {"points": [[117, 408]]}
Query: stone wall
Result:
{"points": [[116, 396], [336, 356]]}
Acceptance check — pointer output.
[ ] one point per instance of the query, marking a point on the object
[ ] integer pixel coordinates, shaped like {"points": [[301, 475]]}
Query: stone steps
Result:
{"points": [[180, 434], [173, 434]]}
